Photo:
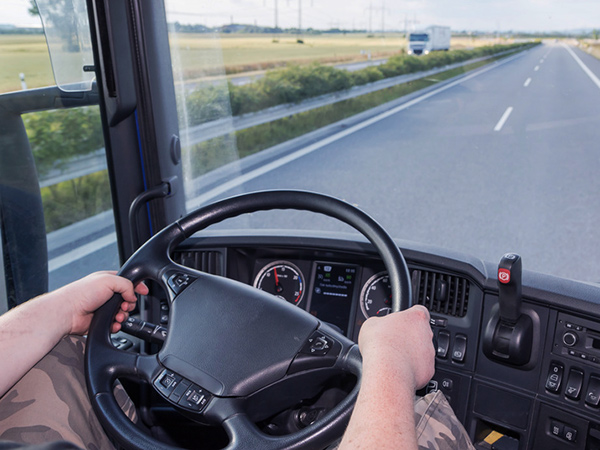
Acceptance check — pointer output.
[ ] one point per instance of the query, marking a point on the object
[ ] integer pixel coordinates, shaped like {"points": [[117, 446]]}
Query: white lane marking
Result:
{"points": [[585, 68], [209, 195], [527, 81], [542, 61], [80, 252], [503, 119], [536, 68]]}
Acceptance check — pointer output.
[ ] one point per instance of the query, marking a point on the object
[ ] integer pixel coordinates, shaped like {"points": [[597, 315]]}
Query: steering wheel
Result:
{"points": [[234, 355]]}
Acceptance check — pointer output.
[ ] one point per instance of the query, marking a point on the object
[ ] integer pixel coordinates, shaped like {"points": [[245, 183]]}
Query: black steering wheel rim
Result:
{"points": [[149, 262]]}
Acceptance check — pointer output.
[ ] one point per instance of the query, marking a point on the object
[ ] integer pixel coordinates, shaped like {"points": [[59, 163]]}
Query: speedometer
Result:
{"points": [[376, 296], [282, 279]]}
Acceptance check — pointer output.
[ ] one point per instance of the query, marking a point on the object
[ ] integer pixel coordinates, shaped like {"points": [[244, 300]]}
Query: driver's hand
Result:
{"points": [[84, 296], [400, 343]]}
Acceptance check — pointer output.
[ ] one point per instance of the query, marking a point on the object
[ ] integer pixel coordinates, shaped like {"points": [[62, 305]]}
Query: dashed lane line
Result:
{"points": [[503, 119]]}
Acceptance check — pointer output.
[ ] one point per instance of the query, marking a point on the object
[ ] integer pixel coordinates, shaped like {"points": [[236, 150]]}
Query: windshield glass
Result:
{"points": [[496, 150], [418, 37]]}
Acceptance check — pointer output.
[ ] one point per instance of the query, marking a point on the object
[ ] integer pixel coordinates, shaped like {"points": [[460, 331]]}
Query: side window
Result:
{"points": [[56, 218], [68, 148]]}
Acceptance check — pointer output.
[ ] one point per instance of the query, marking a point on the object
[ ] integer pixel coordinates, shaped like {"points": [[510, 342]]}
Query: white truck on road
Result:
{"points": [[431, 39]]}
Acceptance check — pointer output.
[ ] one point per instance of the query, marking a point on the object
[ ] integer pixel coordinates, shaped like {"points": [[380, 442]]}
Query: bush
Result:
{"points": [[366, 75], [74, 200], [296, 83], [207, 103], [57, 136]]}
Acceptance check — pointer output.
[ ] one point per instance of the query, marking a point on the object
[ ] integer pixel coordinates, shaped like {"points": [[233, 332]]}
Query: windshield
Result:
{"points": [[419, 37], [495, 155]]}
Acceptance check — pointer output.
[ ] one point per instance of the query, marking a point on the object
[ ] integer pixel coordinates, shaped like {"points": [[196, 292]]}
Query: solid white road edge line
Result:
{"points": [[585, 68]]}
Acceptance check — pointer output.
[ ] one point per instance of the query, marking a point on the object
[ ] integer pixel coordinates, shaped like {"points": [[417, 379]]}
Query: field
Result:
{"points": [[591, 46], [205, 55], [26, 54]]}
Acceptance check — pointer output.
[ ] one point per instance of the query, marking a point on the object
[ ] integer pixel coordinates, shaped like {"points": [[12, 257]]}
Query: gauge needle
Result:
{"points": [[278, 287]]}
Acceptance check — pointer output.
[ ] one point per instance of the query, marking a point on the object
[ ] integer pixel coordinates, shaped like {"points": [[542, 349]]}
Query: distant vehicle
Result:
{"points": [[431, 39]]}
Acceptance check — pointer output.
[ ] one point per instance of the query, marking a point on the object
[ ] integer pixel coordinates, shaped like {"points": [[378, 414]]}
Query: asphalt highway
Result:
{"points": [[505, 160]]}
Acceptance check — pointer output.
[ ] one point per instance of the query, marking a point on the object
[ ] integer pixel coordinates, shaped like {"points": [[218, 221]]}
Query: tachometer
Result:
{"points": [[376, 296], [283, 279]]}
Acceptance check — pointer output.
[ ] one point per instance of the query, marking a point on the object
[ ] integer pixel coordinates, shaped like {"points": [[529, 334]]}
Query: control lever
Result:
{"points": [[508, 336], [509, 288], [144, 330]]}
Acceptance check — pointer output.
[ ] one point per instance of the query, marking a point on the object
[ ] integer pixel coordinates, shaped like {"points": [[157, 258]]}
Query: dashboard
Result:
{"points": [[551, 401]]}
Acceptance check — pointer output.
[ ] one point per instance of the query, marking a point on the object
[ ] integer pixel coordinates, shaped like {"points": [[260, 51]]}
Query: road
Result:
{"points": [[504, 160]]}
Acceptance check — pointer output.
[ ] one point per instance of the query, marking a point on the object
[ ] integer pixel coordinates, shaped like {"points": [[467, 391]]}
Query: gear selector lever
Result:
{"points": [[509, 288], [509, 333]]}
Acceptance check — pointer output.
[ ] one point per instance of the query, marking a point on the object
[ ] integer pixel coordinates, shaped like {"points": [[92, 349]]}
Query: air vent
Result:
{"points": [[207, 261], [441, 293]]}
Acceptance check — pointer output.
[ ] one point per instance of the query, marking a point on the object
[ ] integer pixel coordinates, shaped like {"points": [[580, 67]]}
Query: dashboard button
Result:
{"points": [[570, 434], [569, 339], [592, 396], [167, 382], [447, 384], [574, 384], [459, 349], [318, 344], [557, 428], [554, 379], [443, 346], [179, 281], [179, 390]]}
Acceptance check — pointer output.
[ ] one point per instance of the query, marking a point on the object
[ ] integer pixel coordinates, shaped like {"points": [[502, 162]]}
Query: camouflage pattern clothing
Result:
{"points": [[437, 425], [50, 402]]}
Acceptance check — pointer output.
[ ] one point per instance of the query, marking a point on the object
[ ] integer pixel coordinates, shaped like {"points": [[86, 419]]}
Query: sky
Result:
{"points": [[485, 15]]}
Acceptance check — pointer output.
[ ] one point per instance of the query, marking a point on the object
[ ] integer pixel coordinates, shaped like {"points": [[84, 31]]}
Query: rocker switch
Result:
{"points": [[459, 349], [443, 344], [574, 384], [555, 375], [592, 396]]}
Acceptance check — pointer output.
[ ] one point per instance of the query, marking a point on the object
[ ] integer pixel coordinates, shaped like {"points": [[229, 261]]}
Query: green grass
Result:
{"points": [[26, 54]]}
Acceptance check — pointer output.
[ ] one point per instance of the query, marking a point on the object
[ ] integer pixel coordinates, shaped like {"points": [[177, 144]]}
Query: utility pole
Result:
{"points": [[276, 16], [370, 17], [382, 17], [299, 17]]}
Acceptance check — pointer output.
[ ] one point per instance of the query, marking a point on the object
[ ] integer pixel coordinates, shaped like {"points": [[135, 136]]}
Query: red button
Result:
{"points": [[504, 276]]}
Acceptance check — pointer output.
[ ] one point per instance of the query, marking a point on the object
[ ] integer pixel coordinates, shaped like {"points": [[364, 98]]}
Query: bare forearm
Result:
{"points": [[383, 417], [27, 333]]}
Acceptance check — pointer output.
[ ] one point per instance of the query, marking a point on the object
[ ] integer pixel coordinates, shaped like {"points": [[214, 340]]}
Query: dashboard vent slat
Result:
{"points": [[208, 261], [441, 293]]}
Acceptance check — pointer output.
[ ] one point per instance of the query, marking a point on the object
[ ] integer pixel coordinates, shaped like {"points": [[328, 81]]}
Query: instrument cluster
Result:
{"points": [[341, 294]]}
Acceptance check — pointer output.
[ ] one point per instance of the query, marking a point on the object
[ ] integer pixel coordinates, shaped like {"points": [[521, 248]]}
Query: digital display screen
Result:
{"points": [[333, 289]]}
